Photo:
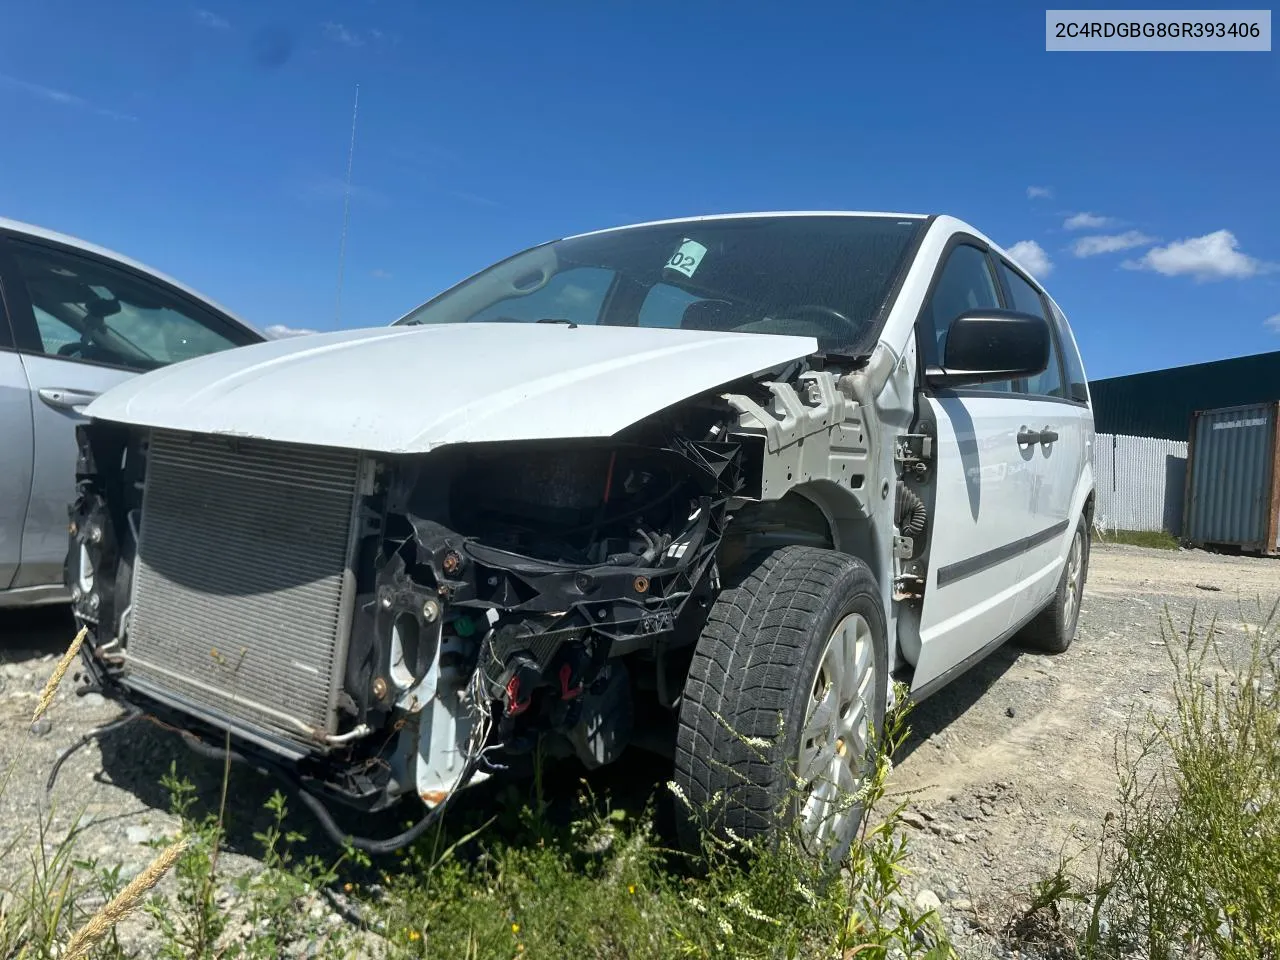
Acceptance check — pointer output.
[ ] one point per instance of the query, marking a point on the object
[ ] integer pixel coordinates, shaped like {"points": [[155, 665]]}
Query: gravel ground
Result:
{"points": [[1006, 770], [1013, 766]]}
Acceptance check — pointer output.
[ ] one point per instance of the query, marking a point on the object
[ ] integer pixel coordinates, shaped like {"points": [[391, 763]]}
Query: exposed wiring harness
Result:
{"points": [[909, 512]]}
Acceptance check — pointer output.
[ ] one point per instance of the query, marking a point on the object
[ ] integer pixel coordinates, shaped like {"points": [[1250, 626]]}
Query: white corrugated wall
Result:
{"points": [[1140, 482]]}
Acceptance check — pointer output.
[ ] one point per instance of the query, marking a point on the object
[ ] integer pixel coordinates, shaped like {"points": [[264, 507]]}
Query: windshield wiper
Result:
{"points": [[569, 323]]}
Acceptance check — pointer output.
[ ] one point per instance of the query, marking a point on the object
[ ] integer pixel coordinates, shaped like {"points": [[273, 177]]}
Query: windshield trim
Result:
{"points": [[898, 280], [748, 215]]}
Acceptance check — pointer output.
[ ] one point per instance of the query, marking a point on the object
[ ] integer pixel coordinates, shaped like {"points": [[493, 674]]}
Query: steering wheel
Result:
{"points": [[853, 327]]}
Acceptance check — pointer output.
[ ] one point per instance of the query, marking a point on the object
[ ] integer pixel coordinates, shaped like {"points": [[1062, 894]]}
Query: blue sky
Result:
{"points": [[210, 141]]}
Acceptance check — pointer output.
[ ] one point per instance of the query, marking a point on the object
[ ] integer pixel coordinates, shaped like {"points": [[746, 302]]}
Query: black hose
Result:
{"points": [[317, 807], [220, 754], [131, 714], [376, 847], [909, 512]]}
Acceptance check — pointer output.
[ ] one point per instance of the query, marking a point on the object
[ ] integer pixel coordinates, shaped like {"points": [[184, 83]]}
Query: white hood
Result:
{"points": [[413, 388]]}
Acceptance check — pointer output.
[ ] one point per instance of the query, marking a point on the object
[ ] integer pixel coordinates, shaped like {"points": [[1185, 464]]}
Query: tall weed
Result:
{"points": [[1189, 865]]}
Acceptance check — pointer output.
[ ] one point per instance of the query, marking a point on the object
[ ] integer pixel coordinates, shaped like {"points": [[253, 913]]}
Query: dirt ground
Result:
{"points": [[1013, 766], [1006, 770]]}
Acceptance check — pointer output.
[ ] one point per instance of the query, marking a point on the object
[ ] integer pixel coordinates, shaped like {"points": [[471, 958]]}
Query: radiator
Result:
{"points": [[241, 587]]}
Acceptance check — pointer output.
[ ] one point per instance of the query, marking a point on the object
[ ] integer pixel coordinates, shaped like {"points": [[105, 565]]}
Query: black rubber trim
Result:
{"points": [[8, 340], [971, 565], [969, 662]]}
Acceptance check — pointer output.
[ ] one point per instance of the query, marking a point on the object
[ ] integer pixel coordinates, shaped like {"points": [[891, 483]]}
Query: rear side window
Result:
{"points": [[1025, 298], [1077, 383]]}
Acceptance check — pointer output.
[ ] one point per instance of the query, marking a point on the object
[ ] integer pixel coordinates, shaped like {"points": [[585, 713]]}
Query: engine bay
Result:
{"points": [[510, 583]]}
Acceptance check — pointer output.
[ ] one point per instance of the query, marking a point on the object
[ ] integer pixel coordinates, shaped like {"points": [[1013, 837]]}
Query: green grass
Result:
{"points": [[1188, 865], [601, 883], [1155, 539]]}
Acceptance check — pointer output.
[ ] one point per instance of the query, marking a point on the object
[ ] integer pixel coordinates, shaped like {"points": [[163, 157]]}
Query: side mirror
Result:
{"points": [[987, 345]]}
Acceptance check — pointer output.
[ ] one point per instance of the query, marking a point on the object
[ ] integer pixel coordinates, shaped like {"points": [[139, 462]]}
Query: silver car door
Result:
{"points": [[83, 325], [16, 451]]}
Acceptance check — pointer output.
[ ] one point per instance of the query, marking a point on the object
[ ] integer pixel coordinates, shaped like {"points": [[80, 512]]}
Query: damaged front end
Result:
{"points": [[374, 625]]}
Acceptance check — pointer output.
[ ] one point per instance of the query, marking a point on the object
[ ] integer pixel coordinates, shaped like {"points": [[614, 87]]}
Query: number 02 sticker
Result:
{"points": [[686, 259]]}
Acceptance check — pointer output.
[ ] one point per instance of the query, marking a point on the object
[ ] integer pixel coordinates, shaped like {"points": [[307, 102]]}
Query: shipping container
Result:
{"points": [[1233, 478]]}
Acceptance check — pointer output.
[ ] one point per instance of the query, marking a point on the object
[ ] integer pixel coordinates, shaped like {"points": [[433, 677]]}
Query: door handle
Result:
{"points": [[64, 398], [1027, 437], [1048, 436]]}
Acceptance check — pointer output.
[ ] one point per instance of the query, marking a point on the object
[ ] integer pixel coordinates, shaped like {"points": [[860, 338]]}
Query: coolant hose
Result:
{"points": [[909, 512]]}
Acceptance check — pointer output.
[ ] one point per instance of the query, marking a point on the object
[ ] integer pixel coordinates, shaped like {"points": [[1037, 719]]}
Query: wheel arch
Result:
{"points": [[818, 513]]}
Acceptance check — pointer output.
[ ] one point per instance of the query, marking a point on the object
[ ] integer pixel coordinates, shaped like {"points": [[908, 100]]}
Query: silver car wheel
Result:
{"points": [[1075, 581], [835, 741]]}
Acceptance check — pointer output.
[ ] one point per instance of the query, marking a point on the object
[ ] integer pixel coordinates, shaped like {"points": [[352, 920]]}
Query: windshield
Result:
{"points": [[820, 276]]}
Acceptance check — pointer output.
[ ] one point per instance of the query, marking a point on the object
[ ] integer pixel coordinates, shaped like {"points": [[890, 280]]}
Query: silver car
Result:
{"points": [[75, 320]]}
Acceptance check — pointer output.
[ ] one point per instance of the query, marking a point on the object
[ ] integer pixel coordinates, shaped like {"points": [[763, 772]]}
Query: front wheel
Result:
{"points": [[784, 701]]}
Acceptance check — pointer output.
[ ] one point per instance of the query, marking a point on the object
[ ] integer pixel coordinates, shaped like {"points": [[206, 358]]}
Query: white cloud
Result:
{"points": [[1039, 193], [1212, 257], [340, 33], [278, 331], [61, 97], [210, 19], [1109, 243], [381, 274], [1032, 256], [1272, 323], [1086, 221], [46, 93]]}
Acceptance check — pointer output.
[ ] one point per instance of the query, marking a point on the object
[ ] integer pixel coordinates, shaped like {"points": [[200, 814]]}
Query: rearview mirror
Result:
{"points": [[987, 345]]}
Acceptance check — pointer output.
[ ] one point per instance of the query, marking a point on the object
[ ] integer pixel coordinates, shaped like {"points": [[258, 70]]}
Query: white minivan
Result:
{"points": [[703, 486]]}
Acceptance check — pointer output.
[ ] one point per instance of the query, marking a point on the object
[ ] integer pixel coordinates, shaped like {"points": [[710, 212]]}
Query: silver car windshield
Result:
{"points": [[823, 276]]}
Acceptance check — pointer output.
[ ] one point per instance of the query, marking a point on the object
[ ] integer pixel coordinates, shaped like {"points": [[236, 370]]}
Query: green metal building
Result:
{"points": [[1160, 403]]}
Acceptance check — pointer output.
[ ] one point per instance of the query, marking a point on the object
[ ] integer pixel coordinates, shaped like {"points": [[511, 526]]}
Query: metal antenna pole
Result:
{"points": [[346, 209]]}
